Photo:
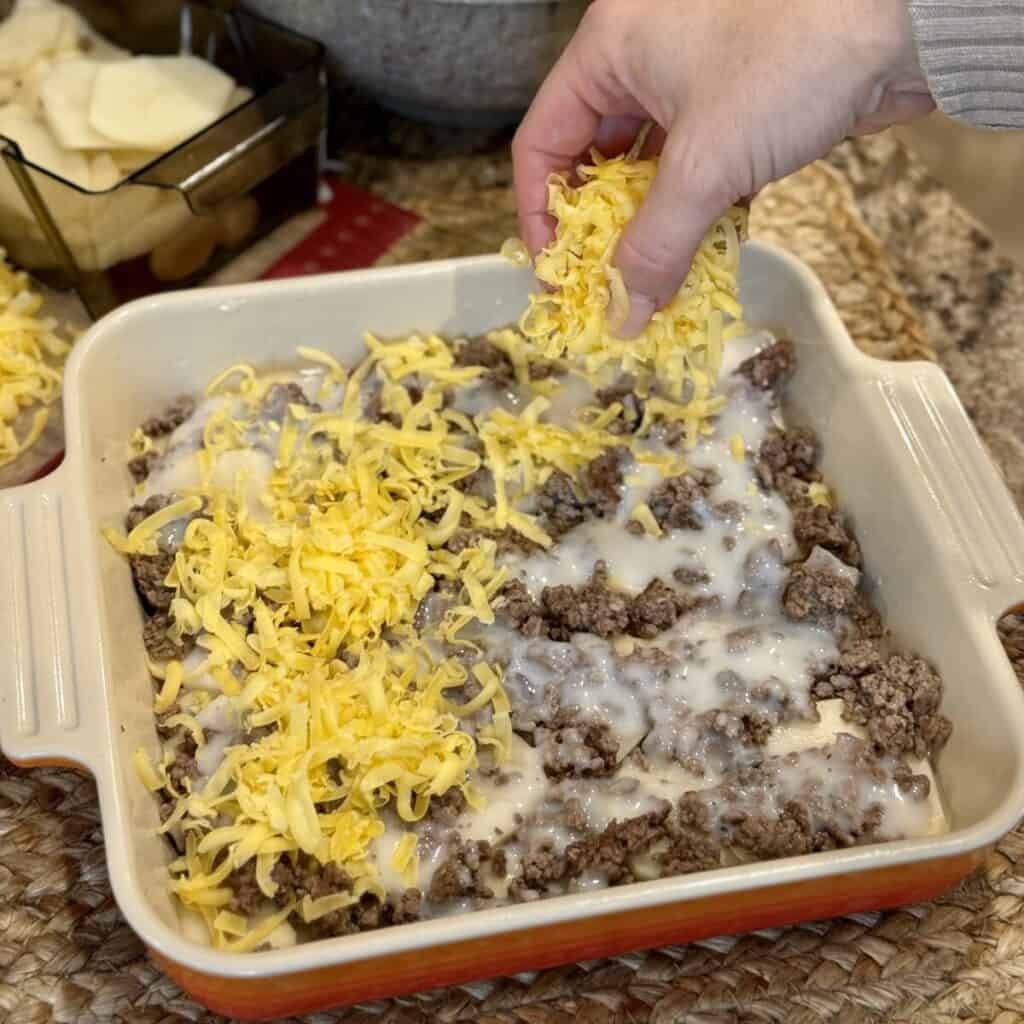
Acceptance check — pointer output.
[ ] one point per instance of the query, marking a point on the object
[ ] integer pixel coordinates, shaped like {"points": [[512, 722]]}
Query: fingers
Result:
{"points": [[656, 249], [559, 126], [897, 107]]}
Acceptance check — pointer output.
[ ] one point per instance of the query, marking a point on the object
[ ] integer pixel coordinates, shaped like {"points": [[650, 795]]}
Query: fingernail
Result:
{"points": [[641, 309]]}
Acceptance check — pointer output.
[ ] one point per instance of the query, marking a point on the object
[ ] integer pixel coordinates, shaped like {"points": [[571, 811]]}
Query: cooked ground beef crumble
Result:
{"points": [[584, 630]]}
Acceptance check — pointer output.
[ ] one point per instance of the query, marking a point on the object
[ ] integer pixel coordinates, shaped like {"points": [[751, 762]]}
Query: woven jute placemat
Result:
{"points": [[67, 955]]}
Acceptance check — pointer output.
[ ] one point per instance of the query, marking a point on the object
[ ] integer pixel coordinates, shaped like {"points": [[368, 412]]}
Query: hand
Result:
{"points": [[742, 92]]}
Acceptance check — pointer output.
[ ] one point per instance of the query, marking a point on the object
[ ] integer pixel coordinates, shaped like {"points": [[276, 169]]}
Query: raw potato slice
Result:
{"points": [[29, 83], [104, 174], [240, 95], [65, 94], [31, 30], [157, 102], [39, 146]]}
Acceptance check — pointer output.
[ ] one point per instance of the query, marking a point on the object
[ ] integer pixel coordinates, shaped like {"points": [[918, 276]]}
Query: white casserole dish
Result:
{"points": [[943, 541]]}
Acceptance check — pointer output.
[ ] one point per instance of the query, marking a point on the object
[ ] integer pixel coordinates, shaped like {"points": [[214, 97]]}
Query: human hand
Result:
{"points": [[742, 92]]}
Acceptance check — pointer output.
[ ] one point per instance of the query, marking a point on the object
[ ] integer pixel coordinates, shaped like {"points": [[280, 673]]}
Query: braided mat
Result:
{"points": [[66, 955]]}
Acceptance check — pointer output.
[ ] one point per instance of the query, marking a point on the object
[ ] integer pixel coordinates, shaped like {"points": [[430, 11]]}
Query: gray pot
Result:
{"points": [[444, 61]]}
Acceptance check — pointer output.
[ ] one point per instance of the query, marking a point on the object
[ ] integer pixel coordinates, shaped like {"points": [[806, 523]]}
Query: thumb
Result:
{"points": [[656, 249]]}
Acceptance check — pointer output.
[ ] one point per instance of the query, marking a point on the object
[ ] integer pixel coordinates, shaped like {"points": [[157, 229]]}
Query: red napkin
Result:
{"points": [[358, 230]]}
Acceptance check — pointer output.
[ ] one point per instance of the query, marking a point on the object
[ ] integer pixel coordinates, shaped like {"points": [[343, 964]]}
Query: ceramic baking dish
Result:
{"points": [[944, 545]]}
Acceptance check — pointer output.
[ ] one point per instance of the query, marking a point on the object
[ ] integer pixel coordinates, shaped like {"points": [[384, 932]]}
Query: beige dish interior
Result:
{"points": [[943, 541]]}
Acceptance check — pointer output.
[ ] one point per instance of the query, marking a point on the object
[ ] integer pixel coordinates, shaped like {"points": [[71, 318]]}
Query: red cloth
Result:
{"points": [[359, 229]]}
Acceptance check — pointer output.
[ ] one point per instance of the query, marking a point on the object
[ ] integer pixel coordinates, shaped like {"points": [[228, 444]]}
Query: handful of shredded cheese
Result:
{"points": [[31, 355], [682, 345]]}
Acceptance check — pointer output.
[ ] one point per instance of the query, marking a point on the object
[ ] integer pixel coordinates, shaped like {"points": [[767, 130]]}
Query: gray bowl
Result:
{"points": [[457, 62]]}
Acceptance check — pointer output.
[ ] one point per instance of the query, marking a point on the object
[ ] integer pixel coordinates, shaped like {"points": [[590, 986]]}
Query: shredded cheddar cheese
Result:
{"points": [[32, 354], [820, 494], [682, 345]]}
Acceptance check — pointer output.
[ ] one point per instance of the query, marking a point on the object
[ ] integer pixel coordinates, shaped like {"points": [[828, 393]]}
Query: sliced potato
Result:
{"points": [[157, 102], [28, 84], [32, 29], [103, 172], [40, 147], [239, 95], [65, 94]]}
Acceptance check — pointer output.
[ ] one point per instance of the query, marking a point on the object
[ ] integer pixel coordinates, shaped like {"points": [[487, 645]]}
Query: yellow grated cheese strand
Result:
{"points": [[32, 355]]}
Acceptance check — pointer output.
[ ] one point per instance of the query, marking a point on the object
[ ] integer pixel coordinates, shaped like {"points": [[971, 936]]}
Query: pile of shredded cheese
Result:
{"points": [[355, 700], [682, 345], [31, 357]]}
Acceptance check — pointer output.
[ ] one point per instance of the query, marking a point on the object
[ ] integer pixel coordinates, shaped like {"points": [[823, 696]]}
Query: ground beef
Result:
{"points": [[522, 610], [896, 699], [498, 368], [149, 573], [692, 847], [247, 897], [184, 764], [573, 747], [622, 391], [691, 577], [565, 505], [539, 868], [728, 512], [305, 876], [609, 852], [818, 596], [593, 608], [460, 875], [560, 503], [771, 368], [596, 608], [479, 483], [141, 465], [915, 787], [679, 502], [820, 526], [280, 396], [606, 853], [300, 875], [373, 408], [787, 455], [137, 513], [761, 811], [790, 834], [508, 541], [603, 480], [1011, 632], [158, 644], [749, 728], [447, 807], [170, 419], [656, 608]]}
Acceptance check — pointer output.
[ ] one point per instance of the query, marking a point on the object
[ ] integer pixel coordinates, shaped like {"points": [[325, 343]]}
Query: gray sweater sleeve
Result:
{"points": [[972, 53]]}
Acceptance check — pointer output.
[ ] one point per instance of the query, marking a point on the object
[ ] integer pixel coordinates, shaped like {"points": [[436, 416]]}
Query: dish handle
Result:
{"points": [[47, 633], [965, 486]]}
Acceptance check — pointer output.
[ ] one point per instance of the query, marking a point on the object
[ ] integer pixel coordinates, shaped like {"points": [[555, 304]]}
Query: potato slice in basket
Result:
{"points": [[32, 29], [157, 102], [66, 93]]}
